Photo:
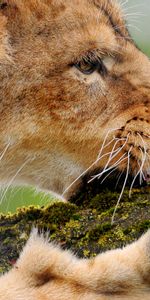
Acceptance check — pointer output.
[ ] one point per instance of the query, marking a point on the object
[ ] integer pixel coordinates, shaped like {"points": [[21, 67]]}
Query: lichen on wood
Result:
{"points": [[83, 226]]}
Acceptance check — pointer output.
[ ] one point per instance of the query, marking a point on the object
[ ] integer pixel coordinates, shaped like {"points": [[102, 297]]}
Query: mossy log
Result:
{"points": [[83, 225]]}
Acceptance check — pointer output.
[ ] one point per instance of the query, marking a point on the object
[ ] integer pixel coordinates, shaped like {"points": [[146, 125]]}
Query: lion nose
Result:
{"points": [[137, 134], [138, 125]]}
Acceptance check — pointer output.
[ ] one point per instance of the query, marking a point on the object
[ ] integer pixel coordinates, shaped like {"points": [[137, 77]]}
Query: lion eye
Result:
{"points": [[87, 66]]}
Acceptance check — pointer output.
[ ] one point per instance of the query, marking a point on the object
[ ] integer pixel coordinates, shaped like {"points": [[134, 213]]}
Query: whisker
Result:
{"points": [[134, 27], [143, 157], [112, 157], [119, 179], [127, 38], [138, 173], [4, 151], [105, 139], [119, 150], [142, 174], [141, 170], [131, 187], [82, 174], [109, 174], [122, 158], [110, 142], [135, 14], [124, 3], [133, 6], [123, 188], [13, 178], [128, 25], [94, 163]]}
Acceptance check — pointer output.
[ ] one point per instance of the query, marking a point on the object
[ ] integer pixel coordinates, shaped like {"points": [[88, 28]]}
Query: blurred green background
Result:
{"points": [[138, 19]]}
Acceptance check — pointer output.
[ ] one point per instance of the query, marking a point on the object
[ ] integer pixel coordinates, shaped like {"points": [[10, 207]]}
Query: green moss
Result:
{"points": [[85, 228], [98, 230]]}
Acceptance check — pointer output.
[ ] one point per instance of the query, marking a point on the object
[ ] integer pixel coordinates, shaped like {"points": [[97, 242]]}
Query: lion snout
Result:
{"points": [[136, 133]]}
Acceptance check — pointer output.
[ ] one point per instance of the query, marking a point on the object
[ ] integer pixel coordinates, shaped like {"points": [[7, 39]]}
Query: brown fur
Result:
{"points": [[54, 120], [54, 117], [44, 272]]}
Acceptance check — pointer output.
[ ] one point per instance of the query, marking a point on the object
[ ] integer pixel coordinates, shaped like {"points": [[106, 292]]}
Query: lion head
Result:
{"points": [[75, 93]]}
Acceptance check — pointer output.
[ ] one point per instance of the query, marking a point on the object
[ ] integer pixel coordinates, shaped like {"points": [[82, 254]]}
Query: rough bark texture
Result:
{"points": [[83, 225]]}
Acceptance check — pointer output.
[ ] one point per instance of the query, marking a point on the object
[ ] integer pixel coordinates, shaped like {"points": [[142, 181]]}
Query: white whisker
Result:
{"points": [[114, 139], [128, 25], [95, 162], [142, 174], [122, 158], [123, 188], [113, 154], [143, 157], [82, 174], [119, 179], [13, 178], [138, 173], [135, 14], [109, 174], [4, 151], [134, 27], [133, 6], [117, 151], [105, 139], [123, 3], [128, 38]]}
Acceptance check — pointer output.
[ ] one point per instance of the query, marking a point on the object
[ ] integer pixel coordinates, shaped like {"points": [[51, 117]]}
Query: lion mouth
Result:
{"points": [[147, 175], [124, 152], [127, 152]]}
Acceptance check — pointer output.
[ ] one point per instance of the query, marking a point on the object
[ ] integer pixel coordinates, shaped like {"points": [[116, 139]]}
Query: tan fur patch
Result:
{"points": [[109, 276], [72, 81]]}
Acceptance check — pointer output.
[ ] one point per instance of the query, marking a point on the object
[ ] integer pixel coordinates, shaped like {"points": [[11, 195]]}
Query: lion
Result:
{"points": [[45, 272], [75, 99], [71, 79]]}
